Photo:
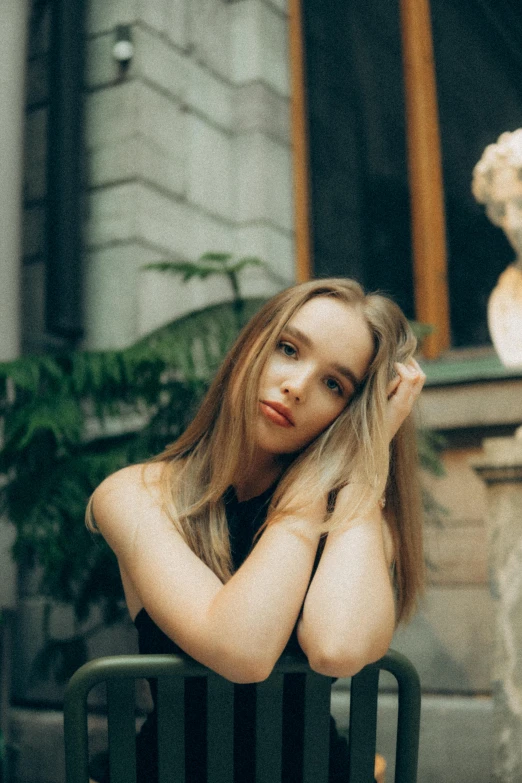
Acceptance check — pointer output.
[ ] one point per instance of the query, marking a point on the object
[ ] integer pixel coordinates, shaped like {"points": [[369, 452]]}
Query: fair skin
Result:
{"points": [[320, 358], [239, 629]]}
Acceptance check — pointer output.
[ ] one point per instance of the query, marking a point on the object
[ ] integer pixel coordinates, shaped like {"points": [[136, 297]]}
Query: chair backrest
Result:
{"points": [[120, 672]]}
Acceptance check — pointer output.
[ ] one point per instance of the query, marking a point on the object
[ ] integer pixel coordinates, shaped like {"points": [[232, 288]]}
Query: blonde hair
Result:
{"points": [[218, 444]]}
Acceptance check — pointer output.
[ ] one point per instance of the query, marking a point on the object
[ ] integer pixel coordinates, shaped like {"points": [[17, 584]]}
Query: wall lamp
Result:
{"points": [[123, 48]]}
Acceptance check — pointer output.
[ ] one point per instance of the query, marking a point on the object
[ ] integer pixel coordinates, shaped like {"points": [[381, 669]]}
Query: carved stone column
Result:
{"points": [[501, 469]]}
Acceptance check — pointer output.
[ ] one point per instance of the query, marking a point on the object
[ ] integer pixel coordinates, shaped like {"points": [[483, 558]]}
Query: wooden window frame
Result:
{"points": [[424, 168]]}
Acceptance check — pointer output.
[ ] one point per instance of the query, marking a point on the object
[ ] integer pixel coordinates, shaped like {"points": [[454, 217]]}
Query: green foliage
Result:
{"points": [[421, 330], [210, 264], [430, 444], [71, 419], [207, 265], [136, 400]]}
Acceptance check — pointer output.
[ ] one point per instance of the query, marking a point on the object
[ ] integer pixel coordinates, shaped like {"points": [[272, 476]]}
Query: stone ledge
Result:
{"points": [[487, 404], [501, 462]]}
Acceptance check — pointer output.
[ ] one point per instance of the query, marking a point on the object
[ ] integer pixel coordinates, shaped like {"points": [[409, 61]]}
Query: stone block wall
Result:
{"points": [[188, 151], [451, 637]]}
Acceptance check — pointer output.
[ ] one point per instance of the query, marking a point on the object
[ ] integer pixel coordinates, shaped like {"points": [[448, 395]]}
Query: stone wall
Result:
{"points": [[500, 467], [451, 636], [188, 151]]}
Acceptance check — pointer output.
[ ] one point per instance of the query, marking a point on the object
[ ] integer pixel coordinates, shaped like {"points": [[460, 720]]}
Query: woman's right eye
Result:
{"points": [[287, 348]]}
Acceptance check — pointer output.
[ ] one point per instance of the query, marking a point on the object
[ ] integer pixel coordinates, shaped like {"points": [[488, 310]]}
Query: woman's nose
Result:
{"points": [[295, 385]]}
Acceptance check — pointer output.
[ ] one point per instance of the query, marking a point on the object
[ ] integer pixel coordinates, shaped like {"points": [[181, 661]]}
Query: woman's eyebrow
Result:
{"points": [[292, 331], [348, 374]]}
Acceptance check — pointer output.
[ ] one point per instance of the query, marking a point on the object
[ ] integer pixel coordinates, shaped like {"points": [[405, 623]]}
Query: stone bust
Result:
{"points": [[497, 183]]}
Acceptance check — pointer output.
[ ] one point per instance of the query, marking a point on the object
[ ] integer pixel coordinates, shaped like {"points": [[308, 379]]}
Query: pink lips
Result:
{"points": [[278, 413]]}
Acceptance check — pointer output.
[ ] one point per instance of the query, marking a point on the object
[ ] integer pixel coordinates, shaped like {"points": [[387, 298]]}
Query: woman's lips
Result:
{"points": [[277, 413]]}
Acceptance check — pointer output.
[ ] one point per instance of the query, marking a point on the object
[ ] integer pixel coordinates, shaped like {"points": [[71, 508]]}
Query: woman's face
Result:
{"points": [[320, 359]]}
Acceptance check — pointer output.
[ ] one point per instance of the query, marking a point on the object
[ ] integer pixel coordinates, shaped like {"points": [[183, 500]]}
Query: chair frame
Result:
{"points": [[120, 672]]}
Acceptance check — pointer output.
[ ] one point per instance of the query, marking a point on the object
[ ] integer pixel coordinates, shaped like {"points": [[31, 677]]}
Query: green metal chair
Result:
{"points": [[120, 672]]}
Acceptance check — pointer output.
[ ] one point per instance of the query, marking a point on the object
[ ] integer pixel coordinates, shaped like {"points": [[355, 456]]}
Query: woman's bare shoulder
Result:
{"points": [[126, 497], [133, 482]]}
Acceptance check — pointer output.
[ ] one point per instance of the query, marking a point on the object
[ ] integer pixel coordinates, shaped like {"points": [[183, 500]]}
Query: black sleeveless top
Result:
{"points": [[244, 520]]}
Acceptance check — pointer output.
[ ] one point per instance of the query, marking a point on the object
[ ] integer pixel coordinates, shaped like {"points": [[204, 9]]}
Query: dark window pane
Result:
{"points": [[359, 191]]}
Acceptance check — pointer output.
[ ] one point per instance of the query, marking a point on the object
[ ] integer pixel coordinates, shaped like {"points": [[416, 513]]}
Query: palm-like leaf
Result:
{"points": [[207, 265]]}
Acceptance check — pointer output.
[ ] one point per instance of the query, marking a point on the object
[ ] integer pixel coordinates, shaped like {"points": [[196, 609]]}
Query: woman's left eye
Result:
{"points": [[332, 384]]}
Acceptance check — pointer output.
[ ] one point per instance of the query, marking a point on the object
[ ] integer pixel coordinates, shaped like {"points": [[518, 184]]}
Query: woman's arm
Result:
{"points": [[349, 615], [238, 629]]}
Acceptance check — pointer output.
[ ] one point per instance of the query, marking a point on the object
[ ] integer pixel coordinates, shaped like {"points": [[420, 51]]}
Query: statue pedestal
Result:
{"points": [[501, 469]]}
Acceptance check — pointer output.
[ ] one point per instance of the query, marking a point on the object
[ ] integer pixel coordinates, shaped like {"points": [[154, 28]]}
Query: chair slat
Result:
{"points": [[363, 724], [408, 729], [171, 729], [269, 729], [316, 728], [220, 729], [408, 719], [76, 733], [122, 729]]}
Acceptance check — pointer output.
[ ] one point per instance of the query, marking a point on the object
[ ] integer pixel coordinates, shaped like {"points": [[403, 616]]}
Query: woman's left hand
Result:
{"points": [[402, 392]]}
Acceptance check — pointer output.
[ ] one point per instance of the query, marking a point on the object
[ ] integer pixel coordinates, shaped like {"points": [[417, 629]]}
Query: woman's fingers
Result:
{"points": [[402, 393], [411, 381], [392, 386], [409, 377]]}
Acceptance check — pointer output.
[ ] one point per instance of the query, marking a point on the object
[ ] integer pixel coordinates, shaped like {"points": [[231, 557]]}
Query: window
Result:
{"points": [[354, 110]]}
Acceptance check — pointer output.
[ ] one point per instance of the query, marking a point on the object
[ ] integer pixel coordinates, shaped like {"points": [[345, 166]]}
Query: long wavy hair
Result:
{"points": [[200, 465]]}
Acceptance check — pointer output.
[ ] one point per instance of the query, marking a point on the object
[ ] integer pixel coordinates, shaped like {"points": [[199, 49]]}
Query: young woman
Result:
{"points": [[287, 515]]}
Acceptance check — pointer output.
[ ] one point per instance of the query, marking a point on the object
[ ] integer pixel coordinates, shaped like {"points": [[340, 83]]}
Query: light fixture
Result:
{"points": [[123, 49]]}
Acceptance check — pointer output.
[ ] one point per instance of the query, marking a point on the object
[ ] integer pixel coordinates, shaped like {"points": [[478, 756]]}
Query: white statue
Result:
{"points": [[497, 183]]}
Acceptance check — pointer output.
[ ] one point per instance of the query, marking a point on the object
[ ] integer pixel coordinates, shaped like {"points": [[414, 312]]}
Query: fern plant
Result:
{"points": [[58, 442], [71, 419]]}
